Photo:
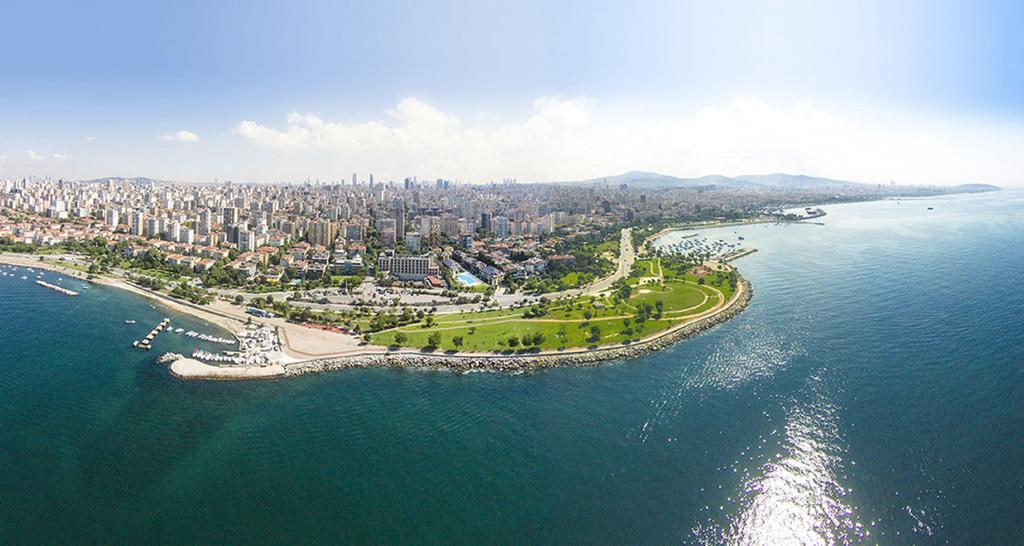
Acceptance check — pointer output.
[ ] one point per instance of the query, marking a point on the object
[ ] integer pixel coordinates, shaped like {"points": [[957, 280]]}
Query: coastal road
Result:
{"points": [[627, 255], [624, 265]]}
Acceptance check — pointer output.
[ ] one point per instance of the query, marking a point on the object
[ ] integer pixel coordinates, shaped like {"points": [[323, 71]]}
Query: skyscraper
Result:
{"points": [[398, 213]]}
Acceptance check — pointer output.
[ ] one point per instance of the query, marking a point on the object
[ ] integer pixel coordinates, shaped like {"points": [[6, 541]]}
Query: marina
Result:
{"points": [[209, 338], [147, 342]]}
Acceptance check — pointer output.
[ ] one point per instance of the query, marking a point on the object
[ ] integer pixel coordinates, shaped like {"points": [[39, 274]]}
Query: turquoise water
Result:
{"points": [[468, 279], [872, 392]]}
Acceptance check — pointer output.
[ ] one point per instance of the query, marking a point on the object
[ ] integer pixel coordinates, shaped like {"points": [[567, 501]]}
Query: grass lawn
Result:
{"points": [[574, 279], [567, 324], [673, 294]]}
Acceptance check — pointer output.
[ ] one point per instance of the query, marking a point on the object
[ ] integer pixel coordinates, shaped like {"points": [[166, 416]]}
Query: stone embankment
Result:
{"points": [[524, 362]]}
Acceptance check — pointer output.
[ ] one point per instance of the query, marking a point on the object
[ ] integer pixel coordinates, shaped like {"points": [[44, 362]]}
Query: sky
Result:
{"points": [[265, 91]]}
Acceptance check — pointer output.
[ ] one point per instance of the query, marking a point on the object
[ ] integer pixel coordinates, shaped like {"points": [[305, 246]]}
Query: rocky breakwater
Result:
{"points": [[515, 363]]}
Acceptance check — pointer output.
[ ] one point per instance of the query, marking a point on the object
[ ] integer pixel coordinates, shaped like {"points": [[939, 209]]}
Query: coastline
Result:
{"points": [[229, 323], [380, 357], [516, 363], [347, 353]]}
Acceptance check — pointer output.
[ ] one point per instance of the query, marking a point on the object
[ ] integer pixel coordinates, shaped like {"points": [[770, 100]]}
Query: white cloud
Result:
{"points": [[33, 156], [180, 136], [567, 139], [60, 157], [3, 158], [90, 139]]}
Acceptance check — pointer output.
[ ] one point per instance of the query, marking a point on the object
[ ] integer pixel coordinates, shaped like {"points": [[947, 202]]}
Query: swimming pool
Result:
{"points": [[467, 279]]}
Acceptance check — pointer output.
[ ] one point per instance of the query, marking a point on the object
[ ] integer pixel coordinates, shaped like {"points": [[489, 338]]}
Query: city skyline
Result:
{"points": [[859, 91]]}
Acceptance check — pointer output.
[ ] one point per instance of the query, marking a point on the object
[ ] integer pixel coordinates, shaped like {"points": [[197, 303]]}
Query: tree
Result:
{"points": [[595, 334], [434, 340], [401, 338], [239, 299], [457, 341], [513, 341]]}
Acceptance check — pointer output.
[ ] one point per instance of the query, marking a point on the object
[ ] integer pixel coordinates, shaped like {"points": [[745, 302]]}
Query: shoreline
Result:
{"points": [[370, 356], [516, 363], [696, 227], [379, 357], [231, 324]]}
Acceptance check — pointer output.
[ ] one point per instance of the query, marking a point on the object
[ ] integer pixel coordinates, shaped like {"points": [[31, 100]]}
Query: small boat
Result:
{"points": [[931, 208], [179, 330], [129, 322]]}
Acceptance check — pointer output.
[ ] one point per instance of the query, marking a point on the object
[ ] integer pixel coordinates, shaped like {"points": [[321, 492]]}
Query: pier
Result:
{"points": [[56, 288], [147, 342], [738, 254]]}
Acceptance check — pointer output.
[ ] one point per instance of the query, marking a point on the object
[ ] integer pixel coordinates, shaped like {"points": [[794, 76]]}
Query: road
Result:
{"points": [[624, 265]]}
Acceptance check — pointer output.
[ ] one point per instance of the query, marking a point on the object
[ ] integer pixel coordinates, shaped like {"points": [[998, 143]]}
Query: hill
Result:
{"points": [[752, 182]]}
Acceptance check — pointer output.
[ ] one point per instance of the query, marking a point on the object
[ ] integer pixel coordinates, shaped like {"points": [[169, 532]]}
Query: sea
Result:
{"points": [[873, 392]]}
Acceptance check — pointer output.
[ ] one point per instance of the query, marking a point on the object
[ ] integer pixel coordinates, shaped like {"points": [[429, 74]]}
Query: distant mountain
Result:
{"points": [[651, 180], [129, 179], [751, 182], [795, 181], [975, 188]]}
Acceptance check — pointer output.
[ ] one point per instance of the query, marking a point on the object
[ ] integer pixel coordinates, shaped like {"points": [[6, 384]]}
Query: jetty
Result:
{"points": [[147, 342], [738, 254], [56, 288]]}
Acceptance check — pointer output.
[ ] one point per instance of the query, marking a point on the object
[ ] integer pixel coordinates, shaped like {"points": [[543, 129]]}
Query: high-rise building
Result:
{"points": [[137, 223], [234, 232], [449, 225], [153, 228], [321, 232], [355, 233], [230, 215], [246, 240], [500, 226], [398, 213], [186, 235], [412, 241], [113, 217], [204, 223]]}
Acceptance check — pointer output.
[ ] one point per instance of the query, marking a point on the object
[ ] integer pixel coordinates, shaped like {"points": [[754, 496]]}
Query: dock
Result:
{"points": [[738, 254], [147, 342], [56, 288]]}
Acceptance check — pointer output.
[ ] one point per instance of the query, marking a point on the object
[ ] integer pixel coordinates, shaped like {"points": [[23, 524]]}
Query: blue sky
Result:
{"points": [[534, 90]]}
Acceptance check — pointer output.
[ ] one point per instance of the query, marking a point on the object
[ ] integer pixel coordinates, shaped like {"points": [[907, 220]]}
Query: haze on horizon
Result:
{"points": [[919, 93]]}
